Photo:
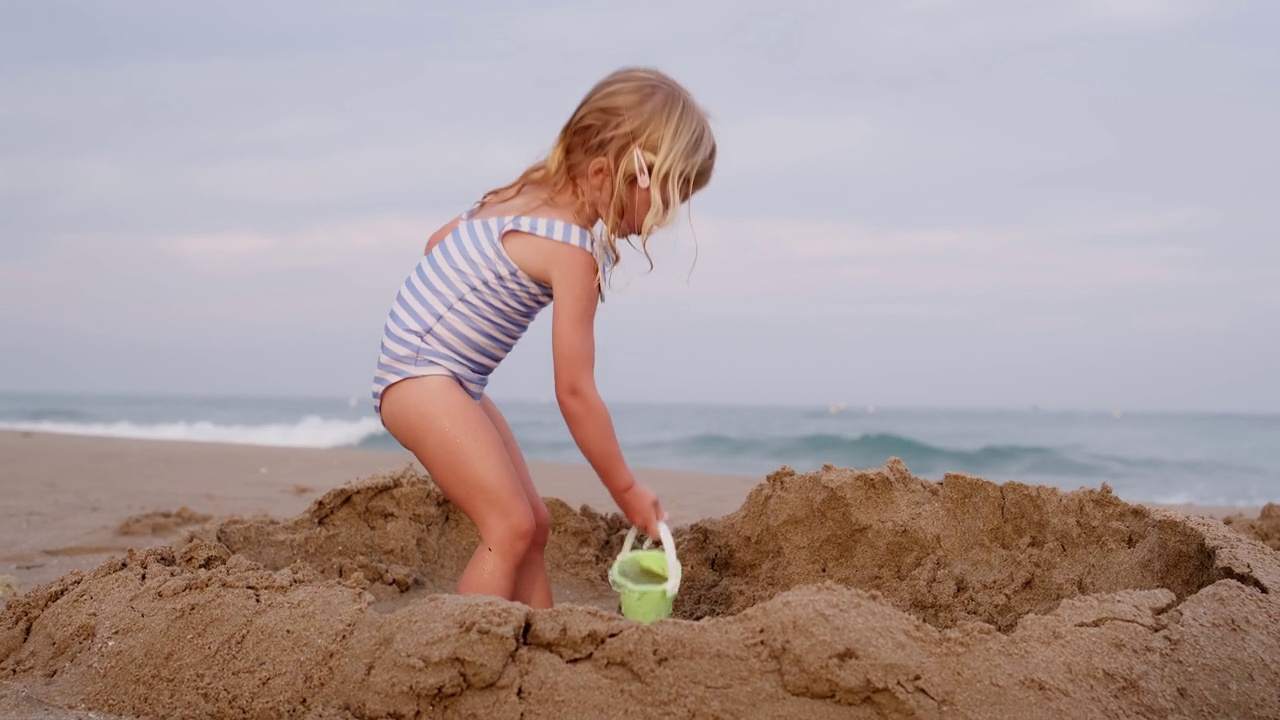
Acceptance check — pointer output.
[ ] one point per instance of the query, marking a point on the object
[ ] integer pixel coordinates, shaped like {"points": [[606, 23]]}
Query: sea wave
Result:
{"points": [[725, 453], [311, 431], [871, 450], [1170, 480]]}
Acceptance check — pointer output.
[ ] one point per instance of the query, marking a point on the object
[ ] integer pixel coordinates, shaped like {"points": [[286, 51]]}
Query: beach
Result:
{"points": [[66, 497], [140, 565]]}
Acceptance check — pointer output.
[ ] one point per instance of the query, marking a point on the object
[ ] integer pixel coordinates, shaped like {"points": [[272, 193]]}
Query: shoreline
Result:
{"points": [[68, 495]]}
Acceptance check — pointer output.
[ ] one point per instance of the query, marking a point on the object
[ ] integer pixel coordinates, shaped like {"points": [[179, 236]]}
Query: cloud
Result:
{"points": [[1143, 12], [1021, 183], [779, 143], [948, 26], [1108, 257], [340, 245]]}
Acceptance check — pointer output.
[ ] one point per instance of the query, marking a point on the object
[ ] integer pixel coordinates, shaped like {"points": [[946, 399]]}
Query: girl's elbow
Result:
{"points": [[574, 392]]}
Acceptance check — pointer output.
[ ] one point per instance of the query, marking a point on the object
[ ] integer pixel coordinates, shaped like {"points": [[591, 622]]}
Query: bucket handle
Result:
{"points": [[668, 547]]}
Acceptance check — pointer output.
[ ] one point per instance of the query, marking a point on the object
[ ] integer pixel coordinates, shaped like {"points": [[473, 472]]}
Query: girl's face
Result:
{"points": [[636, 210], [637, 207], [636, 204]]}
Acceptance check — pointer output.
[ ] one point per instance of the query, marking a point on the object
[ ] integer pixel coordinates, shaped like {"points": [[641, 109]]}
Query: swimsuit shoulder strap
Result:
{"points": [[553, 229]]}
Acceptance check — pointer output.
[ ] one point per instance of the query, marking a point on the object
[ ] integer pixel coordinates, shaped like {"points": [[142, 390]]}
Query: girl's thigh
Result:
{"points": [[456, 441], [513, 449]]}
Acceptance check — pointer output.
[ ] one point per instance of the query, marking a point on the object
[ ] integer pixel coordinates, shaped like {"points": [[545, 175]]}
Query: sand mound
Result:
{"points": [[161, 522], [832, 594], [960, 550], [1265, 528], [397, 532]]}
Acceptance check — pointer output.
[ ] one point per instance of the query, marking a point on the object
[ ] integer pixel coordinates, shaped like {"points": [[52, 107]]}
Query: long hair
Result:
{"points": [[630, 108]]}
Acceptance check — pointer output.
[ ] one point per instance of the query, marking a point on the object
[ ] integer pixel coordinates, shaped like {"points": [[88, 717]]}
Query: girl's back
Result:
{"points": [[467, 301]]}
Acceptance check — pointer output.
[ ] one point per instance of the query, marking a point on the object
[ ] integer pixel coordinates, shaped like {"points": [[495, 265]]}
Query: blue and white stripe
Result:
{"points": [[466, 303]]}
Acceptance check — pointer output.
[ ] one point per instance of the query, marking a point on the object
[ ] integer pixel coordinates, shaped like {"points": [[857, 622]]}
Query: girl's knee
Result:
{"points": [[513, 533], [523, 532]]}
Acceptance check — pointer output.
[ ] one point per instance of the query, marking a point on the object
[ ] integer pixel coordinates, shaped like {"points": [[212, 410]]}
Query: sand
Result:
{"points": [[66, 497], [838, 593], [1265, 527]]}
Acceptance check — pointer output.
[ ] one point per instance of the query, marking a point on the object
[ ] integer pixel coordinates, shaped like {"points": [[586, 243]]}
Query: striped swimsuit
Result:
{"points": [[465, 304]]}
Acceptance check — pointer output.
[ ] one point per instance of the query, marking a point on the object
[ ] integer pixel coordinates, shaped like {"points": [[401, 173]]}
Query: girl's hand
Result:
{"points": [[642, 509]]}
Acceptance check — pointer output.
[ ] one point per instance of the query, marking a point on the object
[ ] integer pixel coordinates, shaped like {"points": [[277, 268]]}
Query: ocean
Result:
{"points": [[1211, 459]]}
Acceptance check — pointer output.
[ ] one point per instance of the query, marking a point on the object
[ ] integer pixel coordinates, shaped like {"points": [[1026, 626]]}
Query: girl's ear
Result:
{"points": [[598, 175]]}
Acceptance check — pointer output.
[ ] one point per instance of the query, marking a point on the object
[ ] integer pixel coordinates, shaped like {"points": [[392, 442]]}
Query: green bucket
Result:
{"points": [[646, 579]]}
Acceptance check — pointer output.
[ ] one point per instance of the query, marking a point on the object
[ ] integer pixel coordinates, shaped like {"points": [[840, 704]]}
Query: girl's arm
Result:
{"points": [[572, 278], [441, 234], [573, 282]]}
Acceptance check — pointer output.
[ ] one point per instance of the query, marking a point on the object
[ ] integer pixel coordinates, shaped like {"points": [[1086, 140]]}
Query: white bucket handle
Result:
{"points": [[668, 547]]}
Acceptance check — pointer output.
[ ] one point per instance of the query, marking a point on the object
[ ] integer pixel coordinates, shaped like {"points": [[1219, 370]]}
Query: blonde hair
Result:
{"points": [[630, 108]]}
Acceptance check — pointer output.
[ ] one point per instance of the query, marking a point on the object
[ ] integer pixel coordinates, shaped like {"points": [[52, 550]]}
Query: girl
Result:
{"points": [[636, 148]]}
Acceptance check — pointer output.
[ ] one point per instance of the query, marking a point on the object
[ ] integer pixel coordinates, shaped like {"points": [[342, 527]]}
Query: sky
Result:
{"points": [[928, 203]]}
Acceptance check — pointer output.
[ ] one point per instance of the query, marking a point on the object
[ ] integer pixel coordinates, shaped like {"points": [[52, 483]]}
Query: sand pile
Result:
{"points": [[397, 534], [161, 522], [832, 594], [8, 586], [1265, 528]]}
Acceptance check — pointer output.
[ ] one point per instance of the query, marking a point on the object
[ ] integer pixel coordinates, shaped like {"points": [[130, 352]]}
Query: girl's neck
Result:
{"points": [[538, 200]]}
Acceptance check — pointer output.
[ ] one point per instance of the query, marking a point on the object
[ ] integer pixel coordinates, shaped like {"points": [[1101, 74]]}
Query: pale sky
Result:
{"points": [[993, 203]]}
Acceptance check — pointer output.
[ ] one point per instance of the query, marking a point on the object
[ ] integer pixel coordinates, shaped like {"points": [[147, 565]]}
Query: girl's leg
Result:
{"points": [[533, 587], [454, 439]]}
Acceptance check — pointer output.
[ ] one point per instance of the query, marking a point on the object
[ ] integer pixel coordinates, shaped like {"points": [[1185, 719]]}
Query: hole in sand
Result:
{"points": [[963, 549]]}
